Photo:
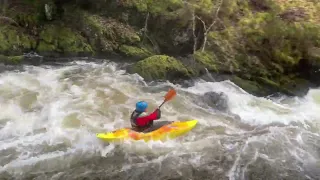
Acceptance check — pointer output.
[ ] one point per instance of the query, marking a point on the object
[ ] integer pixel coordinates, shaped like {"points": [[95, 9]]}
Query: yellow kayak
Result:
{"points": [[170, 131]]}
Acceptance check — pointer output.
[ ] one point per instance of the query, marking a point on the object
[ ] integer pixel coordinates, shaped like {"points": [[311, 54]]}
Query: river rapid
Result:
{"points": [[49, 116]]}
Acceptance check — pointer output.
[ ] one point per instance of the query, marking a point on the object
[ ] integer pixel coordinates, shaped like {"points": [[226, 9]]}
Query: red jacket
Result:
{"points": [[143, 121]]}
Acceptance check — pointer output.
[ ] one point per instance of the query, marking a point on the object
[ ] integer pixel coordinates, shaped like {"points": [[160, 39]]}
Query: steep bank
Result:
{"points": [[263, 46]]}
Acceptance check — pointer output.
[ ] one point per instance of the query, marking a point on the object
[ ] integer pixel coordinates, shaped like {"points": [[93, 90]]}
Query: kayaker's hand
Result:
{"points": [[159, 113]]}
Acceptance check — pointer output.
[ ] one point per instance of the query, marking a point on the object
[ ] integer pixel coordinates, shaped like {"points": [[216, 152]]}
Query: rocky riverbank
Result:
{"points": [[263, 46]]}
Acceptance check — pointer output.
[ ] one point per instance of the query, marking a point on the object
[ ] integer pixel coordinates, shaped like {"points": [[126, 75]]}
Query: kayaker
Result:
{"points": [[140, 120]]}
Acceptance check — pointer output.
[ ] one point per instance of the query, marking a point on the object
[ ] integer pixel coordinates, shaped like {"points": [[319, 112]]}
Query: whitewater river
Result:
{"points": [[49, 116]]}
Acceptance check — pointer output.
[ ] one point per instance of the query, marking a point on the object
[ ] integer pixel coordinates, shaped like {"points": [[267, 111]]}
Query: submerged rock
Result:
{"points": [[218, 101]]}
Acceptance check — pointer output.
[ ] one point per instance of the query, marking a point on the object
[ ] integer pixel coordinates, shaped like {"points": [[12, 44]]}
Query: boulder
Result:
{"points": [[161, 67]]}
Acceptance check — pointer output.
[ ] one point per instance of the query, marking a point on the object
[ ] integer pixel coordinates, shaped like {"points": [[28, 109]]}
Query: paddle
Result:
{"points": [[170, 95]]}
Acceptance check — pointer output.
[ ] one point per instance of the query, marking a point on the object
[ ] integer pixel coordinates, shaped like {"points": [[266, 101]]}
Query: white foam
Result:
{"points": [[260, 111], [59, 96]]}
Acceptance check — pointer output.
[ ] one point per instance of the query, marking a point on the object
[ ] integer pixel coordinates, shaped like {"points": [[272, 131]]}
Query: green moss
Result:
{"points": [[161, 67], [107, 34], [154, 6], [15, 59], [276, 39], [249, 86], [12, 60], [62, 39], [31, 14], [14, 41], [135, 52], [264, 86], [274, 86], [45, 47], [268, 82], [222, 45], [206, 59], [292, 82], [112, 29]]}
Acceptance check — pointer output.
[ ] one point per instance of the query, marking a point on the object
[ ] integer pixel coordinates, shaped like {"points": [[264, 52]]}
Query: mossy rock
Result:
{"points": [[13, 41], [55, 38], [296, 85], [262, 86], [107, 34], [135, 52], [11, 60], [273, 86], [161, 67], [249, 86]]}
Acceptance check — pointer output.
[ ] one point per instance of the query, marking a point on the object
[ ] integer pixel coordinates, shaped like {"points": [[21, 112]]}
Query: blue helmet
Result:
{"points": [[141, 106]]}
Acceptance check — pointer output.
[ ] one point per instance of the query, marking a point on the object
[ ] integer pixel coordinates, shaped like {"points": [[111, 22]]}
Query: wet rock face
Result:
{"points": [[217, 101]]}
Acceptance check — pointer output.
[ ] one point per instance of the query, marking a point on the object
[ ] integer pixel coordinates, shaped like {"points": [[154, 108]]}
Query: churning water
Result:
{"points": [[49, 116]]}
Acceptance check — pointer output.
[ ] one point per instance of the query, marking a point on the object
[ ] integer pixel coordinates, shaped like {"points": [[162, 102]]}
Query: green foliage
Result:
{"points": [[31, 13], [13, 41], [12, 60], [110, 31], [206, 59], [277, 40], [62, 39], [154, 6], [204, 7]]}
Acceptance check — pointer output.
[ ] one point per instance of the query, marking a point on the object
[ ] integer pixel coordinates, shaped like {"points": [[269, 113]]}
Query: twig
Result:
{"points": [[4, 19]]}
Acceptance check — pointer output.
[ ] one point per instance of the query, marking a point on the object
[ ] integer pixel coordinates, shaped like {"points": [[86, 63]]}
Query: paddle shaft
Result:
{"points": [[162, 104]]}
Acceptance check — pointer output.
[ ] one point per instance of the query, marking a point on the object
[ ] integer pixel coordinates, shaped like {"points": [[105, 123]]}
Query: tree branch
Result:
{"points": [[215, 17], [154, 44], [145, 29], [206, 30], [195, 39], [4, 19], [203, 23]]}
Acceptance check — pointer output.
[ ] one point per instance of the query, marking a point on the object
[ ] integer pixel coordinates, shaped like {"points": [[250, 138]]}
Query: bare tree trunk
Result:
{"points": [[145, 29], [3, 18], [193, 14], [207, 29], [7, 20], [195, 39]]}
